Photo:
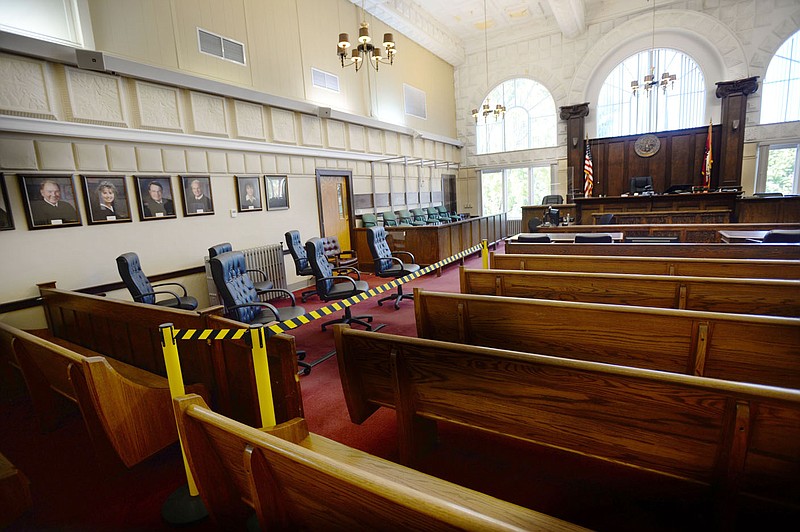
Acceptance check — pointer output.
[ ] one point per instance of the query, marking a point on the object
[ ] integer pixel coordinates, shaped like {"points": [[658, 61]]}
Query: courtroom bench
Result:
{"points": [[129, 332], [717, 251], [742, 268], [127, 411], [736, 347], [738, 440], [685, 232], [711, 216], [297, 480], [770, 297], [15, 492]]}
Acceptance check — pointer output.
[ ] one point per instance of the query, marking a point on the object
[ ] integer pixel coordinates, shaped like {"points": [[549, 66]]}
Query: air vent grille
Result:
{"points": [[221, 47]]}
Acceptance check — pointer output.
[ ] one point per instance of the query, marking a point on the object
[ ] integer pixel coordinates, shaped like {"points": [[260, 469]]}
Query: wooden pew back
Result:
{"points": [[129, 332], [735, 437], [716, 251], [304, 481], [127, 411], [758, 349], [743, 268], [769, 297]]}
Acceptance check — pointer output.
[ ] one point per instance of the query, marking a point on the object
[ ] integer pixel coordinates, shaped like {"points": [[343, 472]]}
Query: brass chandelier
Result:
{"points": [[365, 49]]}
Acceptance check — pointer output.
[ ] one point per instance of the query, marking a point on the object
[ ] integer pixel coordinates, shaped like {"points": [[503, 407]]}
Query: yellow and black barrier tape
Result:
{"points": [[283, 326], [308, 317]]}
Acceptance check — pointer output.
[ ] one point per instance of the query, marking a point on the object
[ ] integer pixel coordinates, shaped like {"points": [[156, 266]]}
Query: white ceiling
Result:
{"points": [[452, 28]]}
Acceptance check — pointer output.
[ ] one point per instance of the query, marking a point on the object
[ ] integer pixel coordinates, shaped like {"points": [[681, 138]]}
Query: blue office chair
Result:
{"points": [[137, 283], [301, 265], [387, 265], [261, 281]]}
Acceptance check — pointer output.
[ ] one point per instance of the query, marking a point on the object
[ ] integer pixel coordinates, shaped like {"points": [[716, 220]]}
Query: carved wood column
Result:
{"points": [[574, 116], [734, 108]]}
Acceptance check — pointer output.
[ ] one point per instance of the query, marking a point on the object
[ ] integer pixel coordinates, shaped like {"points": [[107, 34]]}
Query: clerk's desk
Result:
{"points": [[708, 201], [564, 237]]}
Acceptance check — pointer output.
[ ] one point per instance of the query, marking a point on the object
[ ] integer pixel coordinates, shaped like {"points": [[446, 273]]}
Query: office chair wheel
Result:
{"points": [[305, 368]]}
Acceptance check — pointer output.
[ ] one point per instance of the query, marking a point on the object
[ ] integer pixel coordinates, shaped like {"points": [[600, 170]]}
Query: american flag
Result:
{"points": [[588, 184]]}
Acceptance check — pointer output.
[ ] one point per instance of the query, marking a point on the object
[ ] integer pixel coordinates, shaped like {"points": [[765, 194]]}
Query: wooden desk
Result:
{"points": [[684, 232], [537, 211], [566, 237], [664, 202], [741, 236], [781, 209], [716, 216], [431, 243]]}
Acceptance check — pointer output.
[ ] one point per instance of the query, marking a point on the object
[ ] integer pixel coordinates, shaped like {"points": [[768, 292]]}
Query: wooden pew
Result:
{"points": [[127, 411], [716, 251], [129, 332], [740, 440], [15, 492], [742, 268], [768, 297], [296, 480], [735, 347]]}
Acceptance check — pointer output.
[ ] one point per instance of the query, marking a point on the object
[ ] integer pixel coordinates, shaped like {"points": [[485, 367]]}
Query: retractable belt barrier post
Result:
{"points": [[485, 253], [261, 370]]}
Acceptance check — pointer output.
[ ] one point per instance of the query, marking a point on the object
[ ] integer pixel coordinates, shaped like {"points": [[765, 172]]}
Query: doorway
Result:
{"points": [[449, 192], [335, 197]]}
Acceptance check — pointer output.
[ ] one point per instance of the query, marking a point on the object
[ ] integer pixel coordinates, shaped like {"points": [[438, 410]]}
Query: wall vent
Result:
{"points": [[216, 45], [324, 80], [414, 101]]}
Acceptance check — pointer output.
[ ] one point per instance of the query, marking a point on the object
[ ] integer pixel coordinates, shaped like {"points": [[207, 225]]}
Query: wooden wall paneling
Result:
{"points": [[616, 173], [682, 160]]}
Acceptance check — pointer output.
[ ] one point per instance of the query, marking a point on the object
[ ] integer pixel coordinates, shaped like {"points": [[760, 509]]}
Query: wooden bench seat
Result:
{"points": [[716, 251], [127, 411], [15, 492], [740, 440], [757, 349], [771, 297], [700, 267], [296, 480]]}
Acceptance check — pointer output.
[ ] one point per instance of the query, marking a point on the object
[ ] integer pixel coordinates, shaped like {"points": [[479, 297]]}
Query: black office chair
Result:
{"points": [[553, 199], [336, 287], [240, 298], [782, 236], [606, 219], [387, 265], [533, 238], [301, 265], [137, 283], [533, 223], [263, 285], [594, 238]]}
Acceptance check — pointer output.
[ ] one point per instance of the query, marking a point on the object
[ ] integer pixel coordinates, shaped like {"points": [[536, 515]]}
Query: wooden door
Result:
{"points": [[335, 208], [449, 192]]}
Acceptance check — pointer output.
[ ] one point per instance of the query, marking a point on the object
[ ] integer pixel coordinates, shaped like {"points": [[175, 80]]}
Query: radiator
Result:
{"points": [[268, 259], [513, 227]]}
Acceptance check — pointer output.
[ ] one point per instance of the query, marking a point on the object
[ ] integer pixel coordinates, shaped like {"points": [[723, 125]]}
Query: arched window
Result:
{"points": [[681, 105], [781, 86], [529, 121]]}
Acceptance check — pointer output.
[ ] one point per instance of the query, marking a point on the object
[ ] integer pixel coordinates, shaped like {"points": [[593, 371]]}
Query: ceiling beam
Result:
{"points": [[570, 15]]}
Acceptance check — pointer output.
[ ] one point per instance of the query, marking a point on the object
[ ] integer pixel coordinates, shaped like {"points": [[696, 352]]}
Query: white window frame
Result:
{"points": [[505, 172], [770, 86], [762, 164]]}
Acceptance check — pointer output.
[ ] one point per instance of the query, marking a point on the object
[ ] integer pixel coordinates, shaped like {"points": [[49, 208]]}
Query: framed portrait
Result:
{"points": [[106, 199], [277, 187], [156, 199], [6, 219], [50, 201], [248, 193], [197, 198]]}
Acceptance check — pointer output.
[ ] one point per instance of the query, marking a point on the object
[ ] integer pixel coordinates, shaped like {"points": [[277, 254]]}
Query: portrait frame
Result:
{"points": [[191, 205], [148, 210], [97, 212], [277, 189], [41, 216], [244, 204], [6, 216]]}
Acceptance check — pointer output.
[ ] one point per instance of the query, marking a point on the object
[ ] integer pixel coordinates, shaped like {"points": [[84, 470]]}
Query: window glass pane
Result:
{"points": [[681, 105], [492, 192], [780, 170], [779, 101], [516, 192], [540, 175], [530, 120]]}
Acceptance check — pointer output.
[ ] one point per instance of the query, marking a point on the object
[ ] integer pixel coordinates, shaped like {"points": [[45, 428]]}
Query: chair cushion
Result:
{"points": [[185, 303], [399, 271], [343, 290]]}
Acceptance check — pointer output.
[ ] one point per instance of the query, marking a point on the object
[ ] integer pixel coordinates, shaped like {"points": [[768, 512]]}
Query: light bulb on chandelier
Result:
{"points": [[365, 49], [486, 109], [667, 80]]}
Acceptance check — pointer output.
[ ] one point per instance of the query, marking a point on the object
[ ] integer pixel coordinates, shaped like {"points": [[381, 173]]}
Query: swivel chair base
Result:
{"points": [[349, 318], [308, 293], [397, 297]]}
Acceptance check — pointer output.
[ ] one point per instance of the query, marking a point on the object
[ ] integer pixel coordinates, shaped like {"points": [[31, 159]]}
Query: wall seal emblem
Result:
{"points": [[647, 145]]}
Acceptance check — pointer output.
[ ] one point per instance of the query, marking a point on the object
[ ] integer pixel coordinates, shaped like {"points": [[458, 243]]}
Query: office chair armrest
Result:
{"points": [[413, 260], [159, 292], [338, 278], [172, 284], [263, 274], [348, 269], [282, 291], [261, 304], [350, 252], [378, 263]]}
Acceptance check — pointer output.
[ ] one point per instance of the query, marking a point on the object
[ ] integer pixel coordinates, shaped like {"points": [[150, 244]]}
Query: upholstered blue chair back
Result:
{"points": [[130, 270], [376, 240], [234, 285], [298, 252], [219, 249], [315, 249]]}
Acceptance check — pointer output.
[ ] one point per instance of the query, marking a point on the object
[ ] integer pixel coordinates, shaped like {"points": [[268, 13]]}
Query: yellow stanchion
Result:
{"points": [[261, 369], [485, 253], [182, 506]]}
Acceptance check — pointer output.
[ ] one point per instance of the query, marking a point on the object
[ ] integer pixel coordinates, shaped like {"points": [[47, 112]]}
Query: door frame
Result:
{"points": [[348, 177]]}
